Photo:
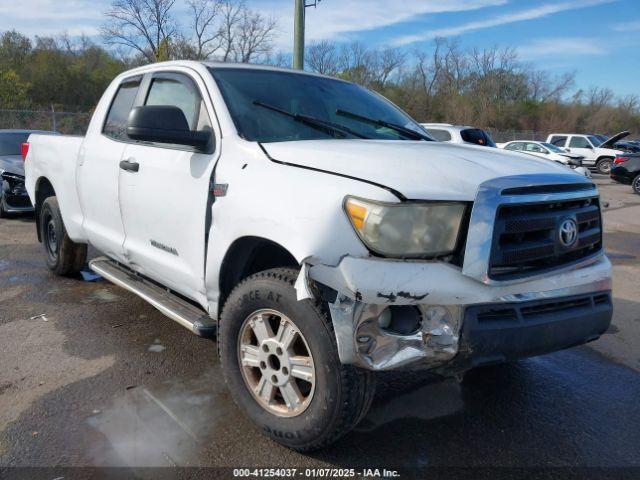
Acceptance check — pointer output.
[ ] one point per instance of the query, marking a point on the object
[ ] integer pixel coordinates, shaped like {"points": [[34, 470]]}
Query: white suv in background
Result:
{"points": [[446, 132], [597, 154]]}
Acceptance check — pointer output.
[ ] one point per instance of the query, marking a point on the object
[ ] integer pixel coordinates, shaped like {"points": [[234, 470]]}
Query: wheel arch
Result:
{"points": [[248, 255]]}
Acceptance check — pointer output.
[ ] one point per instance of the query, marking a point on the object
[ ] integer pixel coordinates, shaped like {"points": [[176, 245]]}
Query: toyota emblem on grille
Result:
{"points": [[568, 232]]}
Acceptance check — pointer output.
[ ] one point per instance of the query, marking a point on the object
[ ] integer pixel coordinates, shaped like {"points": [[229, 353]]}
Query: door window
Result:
{"points": [[558, 140], [115, 125], [439, 135], [179, 91], [514, 146], [534, 147], [579, 142]]}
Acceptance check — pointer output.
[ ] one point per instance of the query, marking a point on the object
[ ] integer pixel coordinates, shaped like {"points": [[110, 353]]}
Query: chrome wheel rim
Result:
{"points": [[636, 185], [276, 363], [605, 167]]}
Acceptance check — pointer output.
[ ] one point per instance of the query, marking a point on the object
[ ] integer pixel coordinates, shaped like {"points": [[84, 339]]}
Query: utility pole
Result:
{"points": [[298, 31]]}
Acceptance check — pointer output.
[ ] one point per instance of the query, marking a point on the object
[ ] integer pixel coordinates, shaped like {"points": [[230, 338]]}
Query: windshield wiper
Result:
{"points": [[407, 132], [312, 121]]}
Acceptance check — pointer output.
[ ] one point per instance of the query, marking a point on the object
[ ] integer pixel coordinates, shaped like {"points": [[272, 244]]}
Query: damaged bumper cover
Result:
{"points": [[462, 322]]}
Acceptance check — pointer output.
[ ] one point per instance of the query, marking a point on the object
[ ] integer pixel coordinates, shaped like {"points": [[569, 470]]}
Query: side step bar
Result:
{"points": [[174, 307]]}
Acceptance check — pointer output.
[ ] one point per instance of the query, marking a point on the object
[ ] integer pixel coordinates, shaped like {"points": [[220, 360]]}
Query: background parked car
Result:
{"points": [[13, 196], [548, 151], [446, 132], [626, 170], [597, 153]]}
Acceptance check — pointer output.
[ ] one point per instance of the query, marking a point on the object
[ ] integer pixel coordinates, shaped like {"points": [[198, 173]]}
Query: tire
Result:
{"points": [[3, 212], [64, 257], [636, 184], [604, 166], [339, 395]]}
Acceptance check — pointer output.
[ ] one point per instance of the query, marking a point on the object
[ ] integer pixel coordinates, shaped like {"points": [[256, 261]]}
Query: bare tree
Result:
{"points": [[206, 31], [254, 36], [322, 57], [146, 26]]}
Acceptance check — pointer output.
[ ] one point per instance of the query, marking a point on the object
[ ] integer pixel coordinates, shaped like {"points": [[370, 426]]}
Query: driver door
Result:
{"points": [[582, 146], [164, 203]]}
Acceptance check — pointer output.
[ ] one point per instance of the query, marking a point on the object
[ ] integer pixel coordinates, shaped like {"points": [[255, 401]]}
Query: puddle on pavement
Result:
{"points": [[173, 423]]}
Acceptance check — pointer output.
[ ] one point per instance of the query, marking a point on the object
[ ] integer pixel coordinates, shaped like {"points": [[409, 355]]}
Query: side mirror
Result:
{"points": [[164, 124]]}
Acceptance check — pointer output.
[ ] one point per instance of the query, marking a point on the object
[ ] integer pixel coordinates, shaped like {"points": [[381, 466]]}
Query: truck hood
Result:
{"points": [[416, 169], [12, 164], [612, 141]]}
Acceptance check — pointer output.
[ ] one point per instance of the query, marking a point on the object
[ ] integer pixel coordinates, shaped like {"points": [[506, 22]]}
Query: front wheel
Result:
{"points": [[604, 166], [280, 362], [63, 255], [636, 184]]}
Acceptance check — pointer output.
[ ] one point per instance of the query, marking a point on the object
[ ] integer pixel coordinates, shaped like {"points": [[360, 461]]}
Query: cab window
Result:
{"points": [[558, 140], [514, 146], [115, 125], [171, 89], [579, 142], [534, 147], [439, 135]]}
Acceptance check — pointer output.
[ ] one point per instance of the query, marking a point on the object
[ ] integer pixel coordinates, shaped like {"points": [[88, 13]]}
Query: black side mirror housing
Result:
{"points": [[165, 124]]}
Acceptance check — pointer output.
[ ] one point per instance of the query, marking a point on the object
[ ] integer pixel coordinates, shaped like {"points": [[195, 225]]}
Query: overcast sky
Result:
{"points": [[599, 39]]}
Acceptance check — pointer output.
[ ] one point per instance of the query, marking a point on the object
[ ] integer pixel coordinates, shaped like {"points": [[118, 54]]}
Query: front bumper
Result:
{"points": [[540, 315], [13, 195]]}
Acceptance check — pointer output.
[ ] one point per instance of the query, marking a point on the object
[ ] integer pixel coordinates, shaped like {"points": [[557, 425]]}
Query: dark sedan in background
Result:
{"points": [[626, 170], [13, 196]]}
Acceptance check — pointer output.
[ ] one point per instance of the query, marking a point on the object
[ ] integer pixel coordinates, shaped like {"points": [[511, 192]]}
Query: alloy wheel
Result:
{"points": [[276, 363]]}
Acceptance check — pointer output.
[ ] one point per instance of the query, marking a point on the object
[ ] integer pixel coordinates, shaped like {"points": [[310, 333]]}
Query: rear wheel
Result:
{"points": [[636, 184], [280, 361], [604, 166], [63, 255]]}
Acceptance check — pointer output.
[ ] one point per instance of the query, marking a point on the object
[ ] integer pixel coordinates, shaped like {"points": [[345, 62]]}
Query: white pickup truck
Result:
{"points": [[598, 151], [321, 234]]}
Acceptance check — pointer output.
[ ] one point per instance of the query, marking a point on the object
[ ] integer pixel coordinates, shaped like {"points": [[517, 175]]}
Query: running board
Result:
{"points": [[174, 307]]}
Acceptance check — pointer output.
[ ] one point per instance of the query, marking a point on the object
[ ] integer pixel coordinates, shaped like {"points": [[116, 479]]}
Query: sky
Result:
{"points": [[597, 39]]}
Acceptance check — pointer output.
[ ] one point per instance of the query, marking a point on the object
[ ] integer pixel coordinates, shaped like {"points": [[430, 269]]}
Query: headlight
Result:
{"points": [[417, 229]]}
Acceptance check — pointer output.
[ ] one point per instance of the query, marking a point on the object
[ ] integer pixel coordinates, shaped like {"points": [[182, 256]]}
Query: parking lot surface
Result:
{"points": [[92, 375]]}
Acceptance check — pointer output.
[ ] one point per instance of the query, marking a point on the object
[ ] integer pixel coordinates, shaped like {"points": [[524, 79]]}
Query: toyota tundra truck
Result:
{"points": [[320, 234]]}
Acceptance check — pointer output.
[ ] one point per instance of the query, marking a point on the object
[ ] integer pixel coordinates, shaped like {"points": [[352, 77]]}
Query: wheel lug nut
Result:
{"points": [[263, 365], [285, 370], [279, 351], [265, 347]]}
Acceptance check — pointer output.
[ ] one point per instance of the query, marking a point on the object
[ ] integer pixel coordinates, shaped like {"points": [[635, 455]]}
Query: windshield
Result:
{"points": [[255, 96], [552, 147], [10, 143], [595, 141]]}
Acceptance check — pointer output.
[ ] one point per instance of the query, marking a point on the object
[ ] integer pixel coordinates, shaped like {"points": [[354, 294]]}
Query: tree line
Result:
{"points": [[491, 88]]}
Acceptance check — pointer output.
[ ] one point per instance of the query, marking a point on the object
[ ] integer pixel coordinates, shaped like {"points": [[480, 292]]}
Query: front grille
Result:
{"points": [[527, 237]]}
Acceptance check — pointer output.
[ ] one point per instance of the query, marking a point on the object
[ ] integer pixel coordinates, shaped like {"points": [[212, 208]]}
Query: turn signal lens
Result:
{"points": [[358, 214]]}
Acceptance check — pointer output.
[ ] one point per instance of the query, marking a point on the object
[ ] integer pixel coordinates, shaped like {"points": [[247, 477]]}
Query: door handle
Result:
{"points": [[129, 165]]}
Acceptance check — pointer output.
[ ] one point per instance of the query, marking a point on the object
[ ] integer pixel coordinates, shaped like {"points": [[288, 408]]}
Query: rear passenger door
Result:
{"points": [[164, 204], [98, 172]]}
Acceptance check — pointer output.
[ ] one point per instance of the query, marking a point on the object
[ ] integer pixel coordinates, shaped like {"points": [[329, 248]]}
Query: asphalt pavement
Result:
{"points": [[91, 375]]}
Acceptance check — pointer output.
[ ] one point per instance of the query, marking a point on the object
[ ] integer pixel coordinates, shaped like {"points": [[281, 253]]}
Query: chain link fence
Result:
{"points": [[68, 122]]}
